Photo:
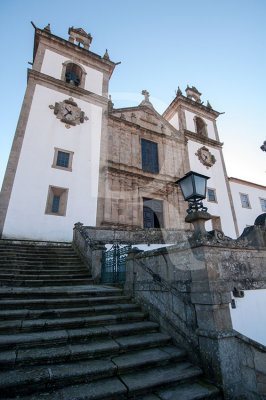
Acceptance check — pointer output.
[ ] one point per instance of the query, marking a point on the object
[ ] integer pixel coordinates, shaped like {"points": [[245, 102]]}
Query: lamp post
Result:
{"points": [[193, 187]]}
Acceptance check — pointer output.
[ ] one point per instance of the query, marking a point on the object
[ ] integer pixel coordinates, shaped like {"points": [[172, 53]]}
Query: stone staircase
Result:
{"points": [[63, 338]]}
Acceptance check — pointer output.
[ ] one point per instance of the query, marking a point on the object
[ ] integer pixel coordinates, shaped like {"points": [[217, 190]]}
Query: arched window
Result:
{"points": [[73, 74], [200, 126]]}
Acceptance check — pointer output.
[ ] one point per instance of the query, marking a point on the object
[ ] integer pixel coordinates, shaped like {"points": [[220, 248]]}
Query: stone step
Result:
{"points": [[6, 243], [24, 380], [33, 256], [55, 276], [47, 304], [81, 351], [42, 282], [67, 312], [82, 335], [57, 292], [53, 269], [37, 262], [186, 391], [126, 386], [39, 325]]}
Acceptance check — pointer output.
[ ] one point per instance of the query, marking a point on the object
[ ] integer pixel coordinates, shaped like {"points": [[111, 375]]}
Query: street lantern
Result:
{"points": [[193, 187]]}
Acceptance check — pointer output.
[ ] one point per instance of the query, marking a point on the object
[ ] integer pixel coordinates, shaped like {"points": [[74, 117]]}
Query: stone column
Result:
{"points": [[96, 261], [135, 202], [216, 337]]}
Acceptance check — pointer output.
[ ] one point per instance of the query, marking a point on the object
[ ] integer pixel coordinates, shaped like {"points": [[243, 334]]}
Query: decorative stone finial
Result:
{"points": [[146, 101], [179, 92], [263, 147], [106, 55], [193, 93], [208, 104], [110, 104], [80, 36], [47, 28]]}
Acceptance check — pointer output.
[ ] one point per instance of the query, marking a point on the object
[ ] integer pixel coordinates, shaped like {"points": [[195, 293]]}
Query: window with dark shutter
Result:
{"points": [[149, 151]]}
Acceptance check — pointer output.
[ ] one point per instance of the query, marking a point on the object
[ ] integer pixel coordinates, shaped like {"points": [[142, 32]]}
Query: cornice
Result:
{"points": [[246, 183], [39, 33], [120, 121], [47, 80], [181, 100], [141, 175], [66, 44], [202, 139]]}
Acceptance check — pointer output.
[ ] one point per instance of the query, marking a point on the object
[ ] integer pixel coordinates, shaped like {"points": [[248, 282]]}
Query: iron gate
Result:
{"points": [[114, 264]]}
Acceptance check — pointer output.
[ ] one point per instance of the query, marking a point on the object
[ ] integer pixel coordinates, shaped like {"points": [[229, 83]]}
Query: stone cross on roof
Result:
{"points": [[146, 102], [146, 95]]}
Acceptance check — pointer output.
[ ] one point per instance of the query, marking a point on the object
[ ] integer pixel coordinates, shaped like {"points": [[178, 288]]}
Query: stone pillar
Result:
{"points": [[96, 261], [130, 270], [107, 199], [135, 203], [216, 338]]}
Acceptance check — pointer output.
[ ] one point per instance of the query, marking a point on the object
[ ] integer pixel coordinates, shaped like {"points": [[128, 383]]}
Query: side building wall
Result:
{"points": [[247, 212]]}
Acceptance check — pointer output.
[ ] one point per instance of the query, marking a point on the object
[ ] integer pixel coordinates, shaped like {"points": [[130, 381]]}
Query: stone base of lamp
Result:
{"points": [[198, 219]]}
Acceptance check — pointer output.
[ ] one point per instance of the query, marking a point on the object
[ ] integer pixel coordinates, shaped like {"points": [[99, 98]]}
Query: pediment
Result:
{"points": [[145, 117]]}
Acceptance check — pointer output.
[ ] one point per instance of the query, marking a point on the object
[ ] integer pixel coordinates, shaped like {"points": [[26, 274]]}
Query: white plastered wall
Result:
{"points": [[26, 218], [53, 63], [249, 317], [174, 121], [217, 181], [246, 216], [191, 124]]}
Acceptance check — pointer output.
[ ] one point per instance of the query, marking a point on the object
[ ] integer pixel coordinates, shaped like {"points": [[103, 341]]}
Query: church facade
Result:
{"points": [[77, 158]]}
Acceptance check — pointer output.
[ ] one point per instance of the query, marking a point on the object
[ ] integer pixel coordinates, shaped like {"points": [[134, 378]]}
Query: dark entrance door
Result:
{"points": [[152, 213]]}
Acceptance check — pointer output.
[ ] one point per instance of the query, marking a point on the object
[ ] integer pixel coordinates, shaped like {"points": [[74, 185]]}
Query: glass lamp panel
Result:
{"points": [[187, 187], [200, 185]]}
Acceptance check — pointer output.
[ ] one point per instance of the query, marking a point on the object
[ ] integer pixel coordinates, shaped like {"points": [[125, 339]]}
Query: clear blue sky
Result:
{"points": [[217, 46]]}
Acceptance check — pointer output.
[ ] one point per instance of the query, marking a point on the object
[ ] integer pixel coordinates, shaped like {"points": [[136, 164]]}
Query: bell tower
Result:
{"points": [[198, 123], [51, 180]]}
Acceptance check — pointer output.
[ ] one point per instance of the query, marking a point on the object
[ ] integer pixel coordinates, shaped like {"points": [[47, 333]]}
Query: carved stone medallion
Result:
{"points": [[205, 157], [69, 113]]}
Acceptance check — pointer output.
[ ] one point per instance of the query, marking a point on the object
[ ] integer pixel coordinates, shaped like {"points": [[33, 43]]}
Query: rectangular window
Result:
{"points": [[62, 159], [56, 201], [149, 152], [211, 195], [263, 204], [244, 200]]}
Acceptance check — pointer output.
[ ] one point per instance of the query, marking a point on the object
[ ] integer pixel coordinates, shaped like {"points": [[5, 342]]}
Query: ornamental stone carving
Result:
{"points": [[69, 113]]}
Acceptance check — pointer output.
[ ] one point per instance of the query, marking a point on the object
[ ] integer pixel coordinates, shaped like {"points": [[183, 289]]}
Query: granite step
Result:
{"points": [[67, 312], [19, 326], [45, 282], [47, 304], [29, 263], [125, 386], [24, 380], [44, 270], [186, 391], [81, 351], [30, 255], [82, 335], [46, 277], [57, 291]]}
